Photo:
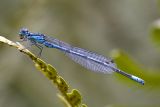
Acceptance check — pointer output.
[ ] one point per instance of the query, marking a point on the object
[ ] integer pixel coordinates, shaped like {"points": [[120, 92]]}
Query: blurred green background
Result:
{"points": [[97, 25]]}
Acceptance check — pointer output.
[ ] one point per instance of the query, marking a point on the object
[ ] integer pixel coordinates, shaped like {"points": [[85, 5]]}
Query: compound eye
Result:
{"points": [[24, 30], [23, 33]]}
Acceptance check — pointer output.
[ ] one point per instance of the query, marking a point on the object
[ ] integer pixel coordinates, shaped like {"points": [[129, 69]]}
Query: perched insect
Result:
{"points": [[87, 59]]}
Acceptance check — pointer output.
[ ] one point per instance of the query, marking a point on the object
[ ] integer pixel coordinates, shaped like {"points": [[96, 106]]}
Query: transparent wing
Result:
{"points": [[85, 58], [92, 64]]}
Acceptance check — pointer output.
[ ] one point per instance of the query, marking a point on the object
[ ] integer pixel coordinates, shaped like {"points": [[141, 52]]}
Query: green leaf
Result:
{"points": [[127, 64], [155, 32]]}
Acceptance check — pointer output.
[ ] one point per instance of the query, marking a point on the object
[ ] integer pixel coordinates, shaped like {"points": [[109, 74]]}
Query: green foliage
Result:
{"points": [[73, 98], [155, 32], [127, 64]]}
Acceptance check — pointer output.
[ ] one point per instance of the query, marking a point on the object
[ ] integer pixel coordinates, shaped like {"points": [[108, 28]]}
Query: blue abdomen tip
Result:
{"points": [[139, 80]]}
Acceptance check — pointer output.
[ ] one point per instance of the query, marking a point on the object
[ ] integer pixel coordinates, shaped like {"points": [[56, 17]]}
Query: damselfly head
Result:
{"points": [[23, 33]]}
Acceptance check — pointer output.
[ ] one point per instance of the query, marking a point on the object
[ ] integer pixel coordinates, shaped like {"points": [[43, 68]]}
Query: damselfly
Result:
{"points": [[87, 59]]}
